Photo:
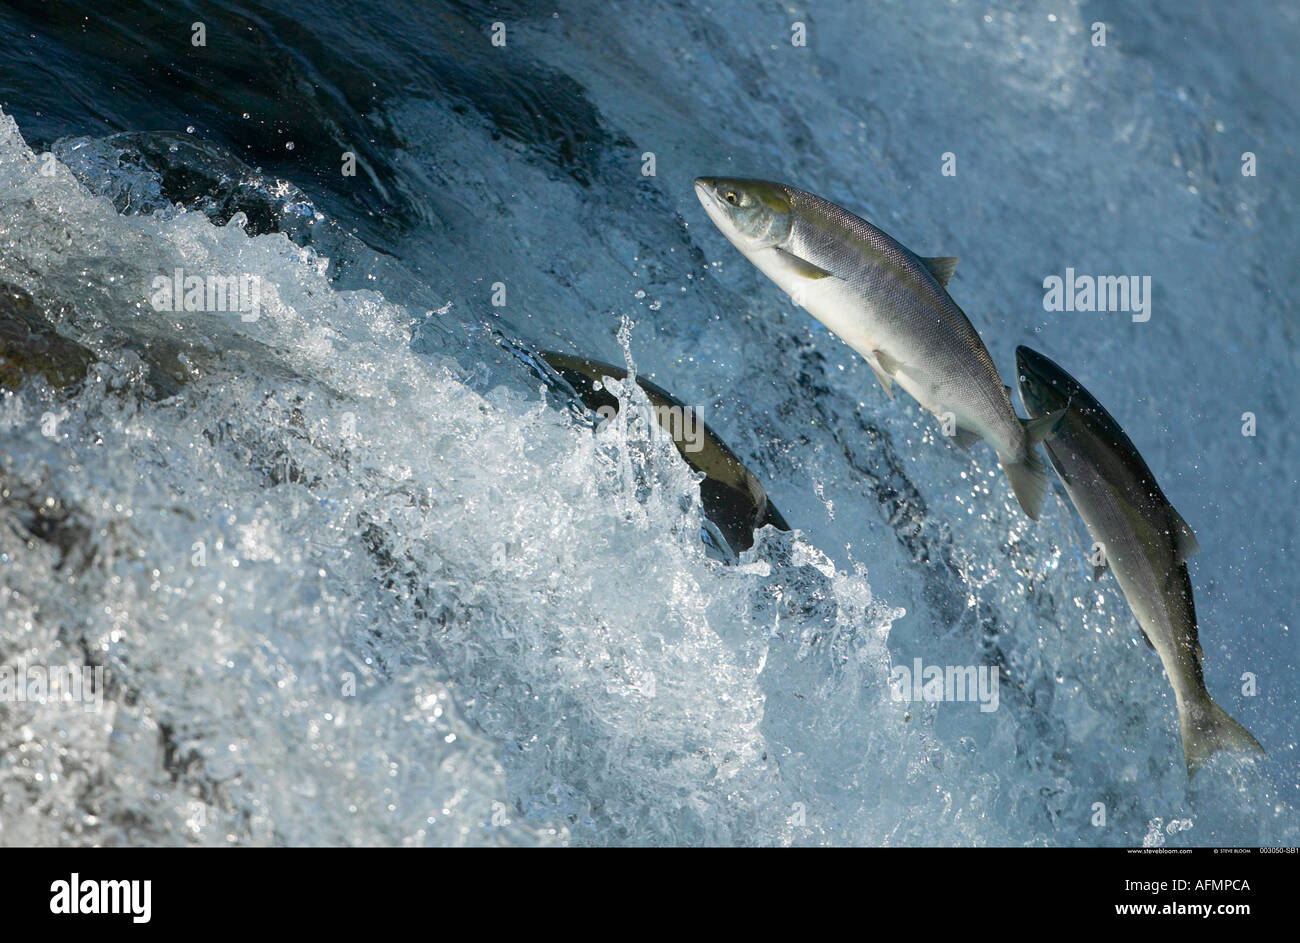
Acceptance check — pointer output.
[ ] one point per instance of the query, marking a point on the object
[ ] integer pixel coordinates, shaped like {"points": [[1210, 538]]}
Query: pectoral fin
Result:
{"points": [[802, 267]]}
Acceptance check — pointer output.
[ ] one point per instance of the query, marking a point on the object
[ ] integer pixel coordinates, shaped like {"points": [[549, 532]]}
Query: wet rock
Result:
{"points": [[30, 345]]}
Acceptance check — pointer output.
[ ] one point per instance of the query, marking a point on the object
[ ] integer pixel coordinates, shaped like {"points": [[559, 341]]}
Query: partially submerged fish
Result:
{"points": [[732, 497], [1143, 540], [888, 304]]}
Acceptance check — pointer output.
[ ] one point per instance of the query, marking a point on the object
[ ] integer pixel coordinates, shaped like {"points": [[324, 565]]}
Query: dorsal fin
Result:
{"points": [[941, 267], [1184, 540], [774, 517]]}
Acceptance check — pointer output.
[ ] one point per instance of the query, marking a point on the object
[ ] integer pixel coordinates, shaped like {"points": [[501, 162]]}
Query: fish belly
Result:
{"points": [[855, 319]]}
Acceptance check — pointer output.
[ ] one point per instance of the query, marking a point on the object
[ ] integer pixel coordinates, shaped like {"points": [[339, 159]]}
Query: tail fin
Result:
{"points": [[1029, 481], [1029, 475], [1209, 730]]}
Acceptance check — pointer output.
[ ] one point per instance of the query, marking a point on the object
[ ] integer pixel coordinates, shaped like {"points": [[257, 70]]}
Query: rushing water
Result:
{"points": [[356, 575]]}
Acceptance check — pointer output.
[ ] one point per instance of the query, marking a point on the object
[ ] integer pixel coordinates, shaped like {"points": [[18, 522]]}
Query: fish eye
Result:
{"points": [[732, 197]]}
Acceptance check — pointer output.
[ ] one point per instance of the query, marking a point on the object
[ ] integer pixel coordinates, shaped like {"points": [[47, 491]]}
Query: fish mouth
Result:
{"points": [[1031, 363], [706, 191], [1044, 387], [1026, 361]]}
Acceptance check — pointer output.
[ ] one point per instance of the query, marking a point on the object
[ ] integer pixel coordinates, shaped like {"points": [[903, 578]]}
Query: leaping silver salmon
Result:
{"points": [[890, 305], [1144, 541]]}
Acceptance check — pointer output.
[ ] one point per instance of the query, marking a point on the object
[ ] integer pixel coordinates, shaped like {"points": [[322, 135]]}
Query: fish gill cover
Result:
{"points": [[355, 575]]}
